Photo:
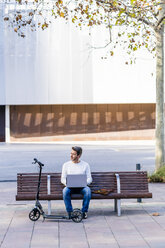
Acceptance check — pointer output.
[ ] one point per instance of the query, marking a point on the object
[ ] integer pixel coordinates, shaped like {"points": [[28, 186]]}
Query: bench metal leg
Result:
{"points": [[118, 201], [117, 206], [49, 207]]}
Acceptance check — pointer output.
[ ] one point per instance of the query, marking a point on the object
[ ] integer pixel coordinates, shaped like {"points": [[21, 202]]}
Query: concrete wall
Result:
{"points": [[57, 66], [81, 120]]}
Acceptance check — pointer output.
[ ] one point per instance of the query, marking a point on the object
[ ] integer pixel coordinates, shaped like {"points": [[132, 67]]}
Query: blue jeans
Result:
{"points": [[86, 192]]}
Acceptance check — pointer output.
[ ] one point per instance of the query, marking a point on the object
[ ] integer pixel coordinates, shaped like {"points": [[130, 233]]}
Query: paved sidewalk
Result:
{"points": [[137, 227]]}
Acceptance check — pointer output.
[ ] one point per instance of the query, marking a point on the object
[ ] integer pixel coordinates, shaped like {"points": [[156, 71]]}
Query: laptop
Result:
{"points": [[76, 180]]}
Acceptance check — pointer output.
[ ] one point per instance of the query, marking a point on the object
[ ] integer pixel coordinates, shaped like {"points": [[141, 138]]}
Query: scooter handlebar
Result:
{"points": [[38, 162]]}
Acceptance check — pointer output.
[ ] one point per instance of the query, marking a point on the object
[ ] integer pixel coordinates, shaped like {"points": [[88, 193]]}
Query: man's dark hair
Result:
{"points": [[77, 149]]}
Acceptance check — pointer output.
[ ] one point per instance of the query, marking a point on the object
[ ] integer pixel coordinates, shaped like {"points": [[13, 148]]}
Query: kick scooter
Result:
{"points": [[35, 213]]}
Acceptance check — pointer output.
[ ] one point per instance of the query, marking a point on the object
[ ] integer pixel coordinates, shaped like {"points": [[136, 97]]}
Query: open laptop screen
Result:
{"points": [[76, 180]]}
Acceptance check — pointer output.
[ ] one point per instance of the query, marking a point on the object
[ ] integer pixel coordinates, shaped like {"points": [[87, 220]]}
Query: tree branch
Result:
{"points": [[146, 22], [160, 21], [128, 13]]}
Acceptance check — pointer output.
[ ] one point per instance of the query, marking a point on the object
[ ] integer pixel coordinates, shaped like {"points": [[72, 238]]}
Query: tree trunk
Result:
{"points": [[159, 156]]}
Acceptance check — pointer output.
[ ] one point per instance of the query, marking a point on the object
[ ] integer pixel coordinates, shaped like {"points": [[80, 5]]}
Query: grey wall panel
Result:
{"points": [[56, 66], [46, 67]]}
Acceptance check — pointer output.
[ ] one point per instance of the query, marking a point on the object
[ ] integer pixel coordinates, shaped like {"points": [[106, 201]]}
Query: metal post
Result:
{"points": [[138, 168], [7, 124], [49, 192], [118, 202]]}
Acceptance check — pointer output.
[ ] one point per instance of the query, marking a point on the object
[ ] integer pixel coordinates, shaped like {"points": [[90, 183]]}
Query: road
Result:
{"points": [[17, 158]]}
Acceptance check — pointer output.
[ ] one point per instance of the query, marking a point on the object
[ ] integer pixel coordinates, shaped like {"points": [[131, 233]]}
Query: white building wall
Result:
{"points": [[46, 67], [117, 82], [121, 83], [55, 66], [2, 64]]}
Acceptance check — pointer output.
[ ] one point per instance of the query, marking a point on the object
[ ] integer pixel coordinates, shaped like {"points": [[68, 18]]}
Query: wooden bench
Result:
{"points": [[122, 185]]}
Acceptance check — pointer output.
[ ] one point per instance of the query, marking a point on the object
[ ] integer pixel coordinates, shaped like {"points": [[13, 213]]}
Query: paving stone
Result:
{"points": [[136, 228]]}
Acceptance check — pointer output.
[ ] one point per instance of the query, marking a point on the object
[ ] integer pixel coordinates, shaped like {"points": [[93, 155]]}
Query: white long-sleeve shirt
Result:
{"points": [[75, 168]]}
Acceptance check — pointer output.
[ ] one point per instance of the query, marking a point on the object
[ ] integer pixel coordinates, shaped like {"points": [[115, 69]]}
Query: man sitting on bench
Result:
{"points": [[76, 167]]}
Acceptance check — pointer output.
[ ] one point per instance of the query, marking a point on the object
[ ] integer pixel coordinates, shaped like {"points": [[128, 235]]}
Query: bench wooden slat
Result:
{"points": [[133, 185], [94, 196]]}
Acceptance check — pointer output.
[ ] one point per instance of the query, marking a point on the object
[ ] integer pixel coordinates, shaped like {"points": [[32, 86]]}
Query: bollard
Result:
{"points": [[138, 168]]}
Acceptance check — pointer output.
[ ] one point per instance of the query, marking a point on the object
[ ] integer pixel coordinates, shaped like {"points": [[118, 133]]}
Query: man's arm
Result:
{"points": [[63, 174], [88, 172]]}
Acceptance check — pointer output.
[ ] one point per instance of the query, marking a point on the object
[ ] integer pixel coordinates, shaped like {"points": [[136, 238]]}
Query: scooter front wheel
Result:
{"points": [[34, 214], [77, 215]]}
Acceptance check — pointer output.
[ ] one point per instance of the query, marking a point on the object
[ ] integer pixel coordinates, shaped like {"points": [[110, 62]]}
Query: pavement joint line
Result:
{"points": [[16, 204], [31, 235], [7, 230], [86, 235], [137, 229], [154, 219], [111, 231], [58, 234]]}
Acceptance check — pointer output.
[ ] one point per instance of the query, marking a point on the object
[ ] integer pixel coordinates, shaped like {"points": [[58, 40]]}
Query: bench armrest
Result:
{"points": [[48, 184], [118, 183]]}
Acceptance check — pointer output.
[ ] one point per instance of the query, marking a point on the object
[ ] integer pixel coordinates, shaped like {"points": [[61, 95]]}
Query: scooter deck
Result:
{"points": [[47, 216]]}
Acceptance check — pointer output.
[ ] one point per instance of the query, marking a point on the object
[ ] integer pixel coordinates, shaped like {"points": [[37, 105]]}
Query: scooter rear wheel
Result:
{"points": [[34, 214], [77, 215]]}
